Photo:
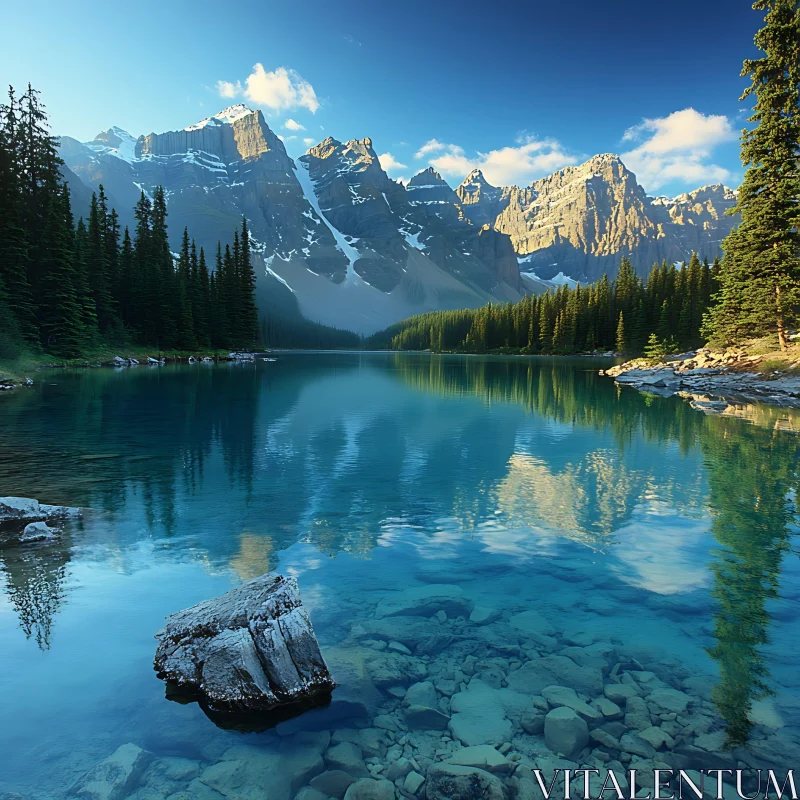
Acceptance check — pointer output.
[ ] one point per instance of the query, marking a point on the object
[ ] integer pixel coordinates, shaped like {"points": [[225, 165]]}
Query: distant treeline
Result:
{"points": [[621, 315], [280, 331]]}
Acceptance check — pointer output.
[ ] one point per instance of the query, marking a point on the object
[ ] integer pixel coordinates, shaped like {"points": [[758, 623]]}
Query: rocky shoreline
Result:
{"points": [[710, 380], [121, 362]]}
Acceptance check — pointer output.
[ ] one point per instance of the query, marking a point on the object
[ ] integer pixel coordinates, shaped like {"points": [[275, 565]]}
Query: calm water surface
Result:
{"points": [[620, 518]]}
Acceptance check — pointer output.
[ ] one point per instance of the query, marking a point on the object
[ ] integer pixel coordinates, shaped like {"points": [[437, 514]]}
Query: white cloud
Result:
{"points": [[228, 89], [431, 146], [389, 162], [291, 125], [281, 89], [678, 148], [520, 165], [308, 141]]}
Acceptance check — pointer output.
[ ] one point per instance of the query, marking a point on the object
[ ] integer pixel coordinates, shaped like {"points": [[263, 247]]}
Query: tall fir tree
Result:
{"points": [[760, 272]]}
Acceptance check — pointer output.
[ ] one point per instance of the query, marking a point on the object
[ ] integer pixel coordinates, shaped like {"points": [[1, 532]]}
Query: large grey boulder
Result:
{"points": [[251, 649]]}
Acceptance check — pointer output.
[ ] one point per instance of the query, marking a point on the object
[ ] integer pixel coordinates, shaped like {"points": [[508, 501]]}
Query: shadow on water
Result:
{"points": [[327, 449]]}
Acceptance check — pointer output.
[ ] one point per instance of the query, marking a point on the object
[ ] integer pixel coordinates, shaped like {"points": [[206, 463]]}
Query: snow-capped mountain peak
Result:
{"points": [[115, 141], [227, 116]]}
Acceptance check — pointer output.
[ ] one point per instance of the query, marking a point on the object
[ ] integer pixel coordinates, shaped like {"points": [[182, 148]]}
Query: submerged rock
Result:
{"points": [[248, 772], [426, 601], [252, 649], [454, 782], [369, 789], [116, 777], [38, 532], [565, 733]]}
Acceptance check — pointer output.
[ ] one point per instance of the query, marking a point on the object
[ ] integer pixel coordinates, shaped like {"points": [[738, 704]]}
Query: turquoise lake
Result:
{"points": [[657, 546]]}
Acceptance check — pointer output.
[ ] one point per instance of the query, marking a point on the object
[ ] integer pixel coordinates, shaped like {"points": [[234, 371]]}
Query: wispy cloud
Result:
{"points": [[390, 163], [530, 159], [308, 141], [292, 125], [281, 89], [351, 40], [678, 147], [431, 146]]}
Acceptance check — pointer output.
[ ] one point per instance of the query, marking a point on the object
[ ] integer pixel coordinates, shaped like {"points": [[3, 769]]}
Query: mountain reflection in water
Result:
{"points": [[229, 466]]}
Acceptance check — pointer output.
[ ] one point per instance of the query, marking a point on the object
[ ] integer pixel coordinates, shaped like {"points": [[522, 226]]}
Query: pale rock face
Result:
{"points": [[581, 220]]}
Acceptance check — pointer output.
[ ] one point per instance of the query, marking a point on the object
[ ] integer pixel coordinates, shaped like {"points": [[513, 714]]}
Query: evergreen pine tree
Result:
{"points": [[760, 273], [620, 343]]}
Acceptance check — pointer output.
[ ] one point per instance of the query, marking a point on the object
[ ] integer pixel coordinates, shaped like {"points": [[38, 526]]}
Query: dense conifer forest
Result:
{"points": [[626, 315]]}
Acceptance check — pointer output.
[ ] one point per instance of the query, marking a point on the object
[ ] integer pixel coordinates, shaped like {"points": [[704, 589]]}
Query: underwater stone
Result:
{"points": [[532, 622], [565, 733], [632, 743], [550, 670], [245, 769], [38, 532], [484, 616], [425, 601], [453, 782], [413, 782], [116, 777], [564, 696], [332, 783], [425, 718], [483, 756], [348, 758], [421, 694], [620, 692], [369, 789], [251, 649], [659, 738], [668, 700]]}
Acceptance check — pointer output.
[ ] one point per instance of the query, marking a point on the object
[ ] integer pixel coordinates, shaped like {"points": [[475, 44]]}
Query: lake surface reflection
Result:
{"points": [[608, 539]]}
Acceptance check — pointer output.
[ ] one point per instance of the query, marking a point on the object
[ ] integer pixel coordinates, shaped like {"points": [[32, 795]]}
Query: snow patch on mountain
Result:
{"points": [[307, 185]]}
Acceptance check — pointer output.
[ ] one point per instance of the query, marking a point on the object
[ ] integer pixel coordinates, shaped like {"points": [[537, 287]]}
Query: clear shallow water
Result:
{"points": [[619, 518]]}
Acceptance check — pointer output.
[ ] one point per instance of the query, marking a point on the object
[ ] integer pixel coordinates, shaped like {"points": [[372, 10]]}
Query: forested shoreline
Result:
{"points": [[623, 315], [67, 287], [71, 288]]}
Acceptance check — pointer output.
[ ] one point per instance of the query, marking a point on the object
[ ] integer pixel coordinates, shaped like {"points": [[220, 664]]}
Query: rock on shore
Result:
{"points": [[709, 379], [23, 519], [252, 649]]}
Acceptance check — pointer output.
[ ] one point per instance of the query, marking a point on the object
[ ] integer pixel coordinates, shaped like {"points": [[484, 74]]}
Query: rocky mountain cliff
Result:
{"points": [[340, 242], [335, 238], [579, 221]]}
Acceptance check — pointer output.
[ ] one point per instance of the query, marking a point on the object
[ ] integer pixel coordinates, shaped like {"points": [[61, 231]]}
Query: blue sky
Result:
{"points": [[517, 88]]}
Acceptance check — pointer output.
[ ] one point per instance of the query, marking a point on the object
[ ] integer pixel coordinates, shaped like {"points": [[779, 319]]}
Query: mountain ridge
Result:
{"points": [[340, 242]]}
